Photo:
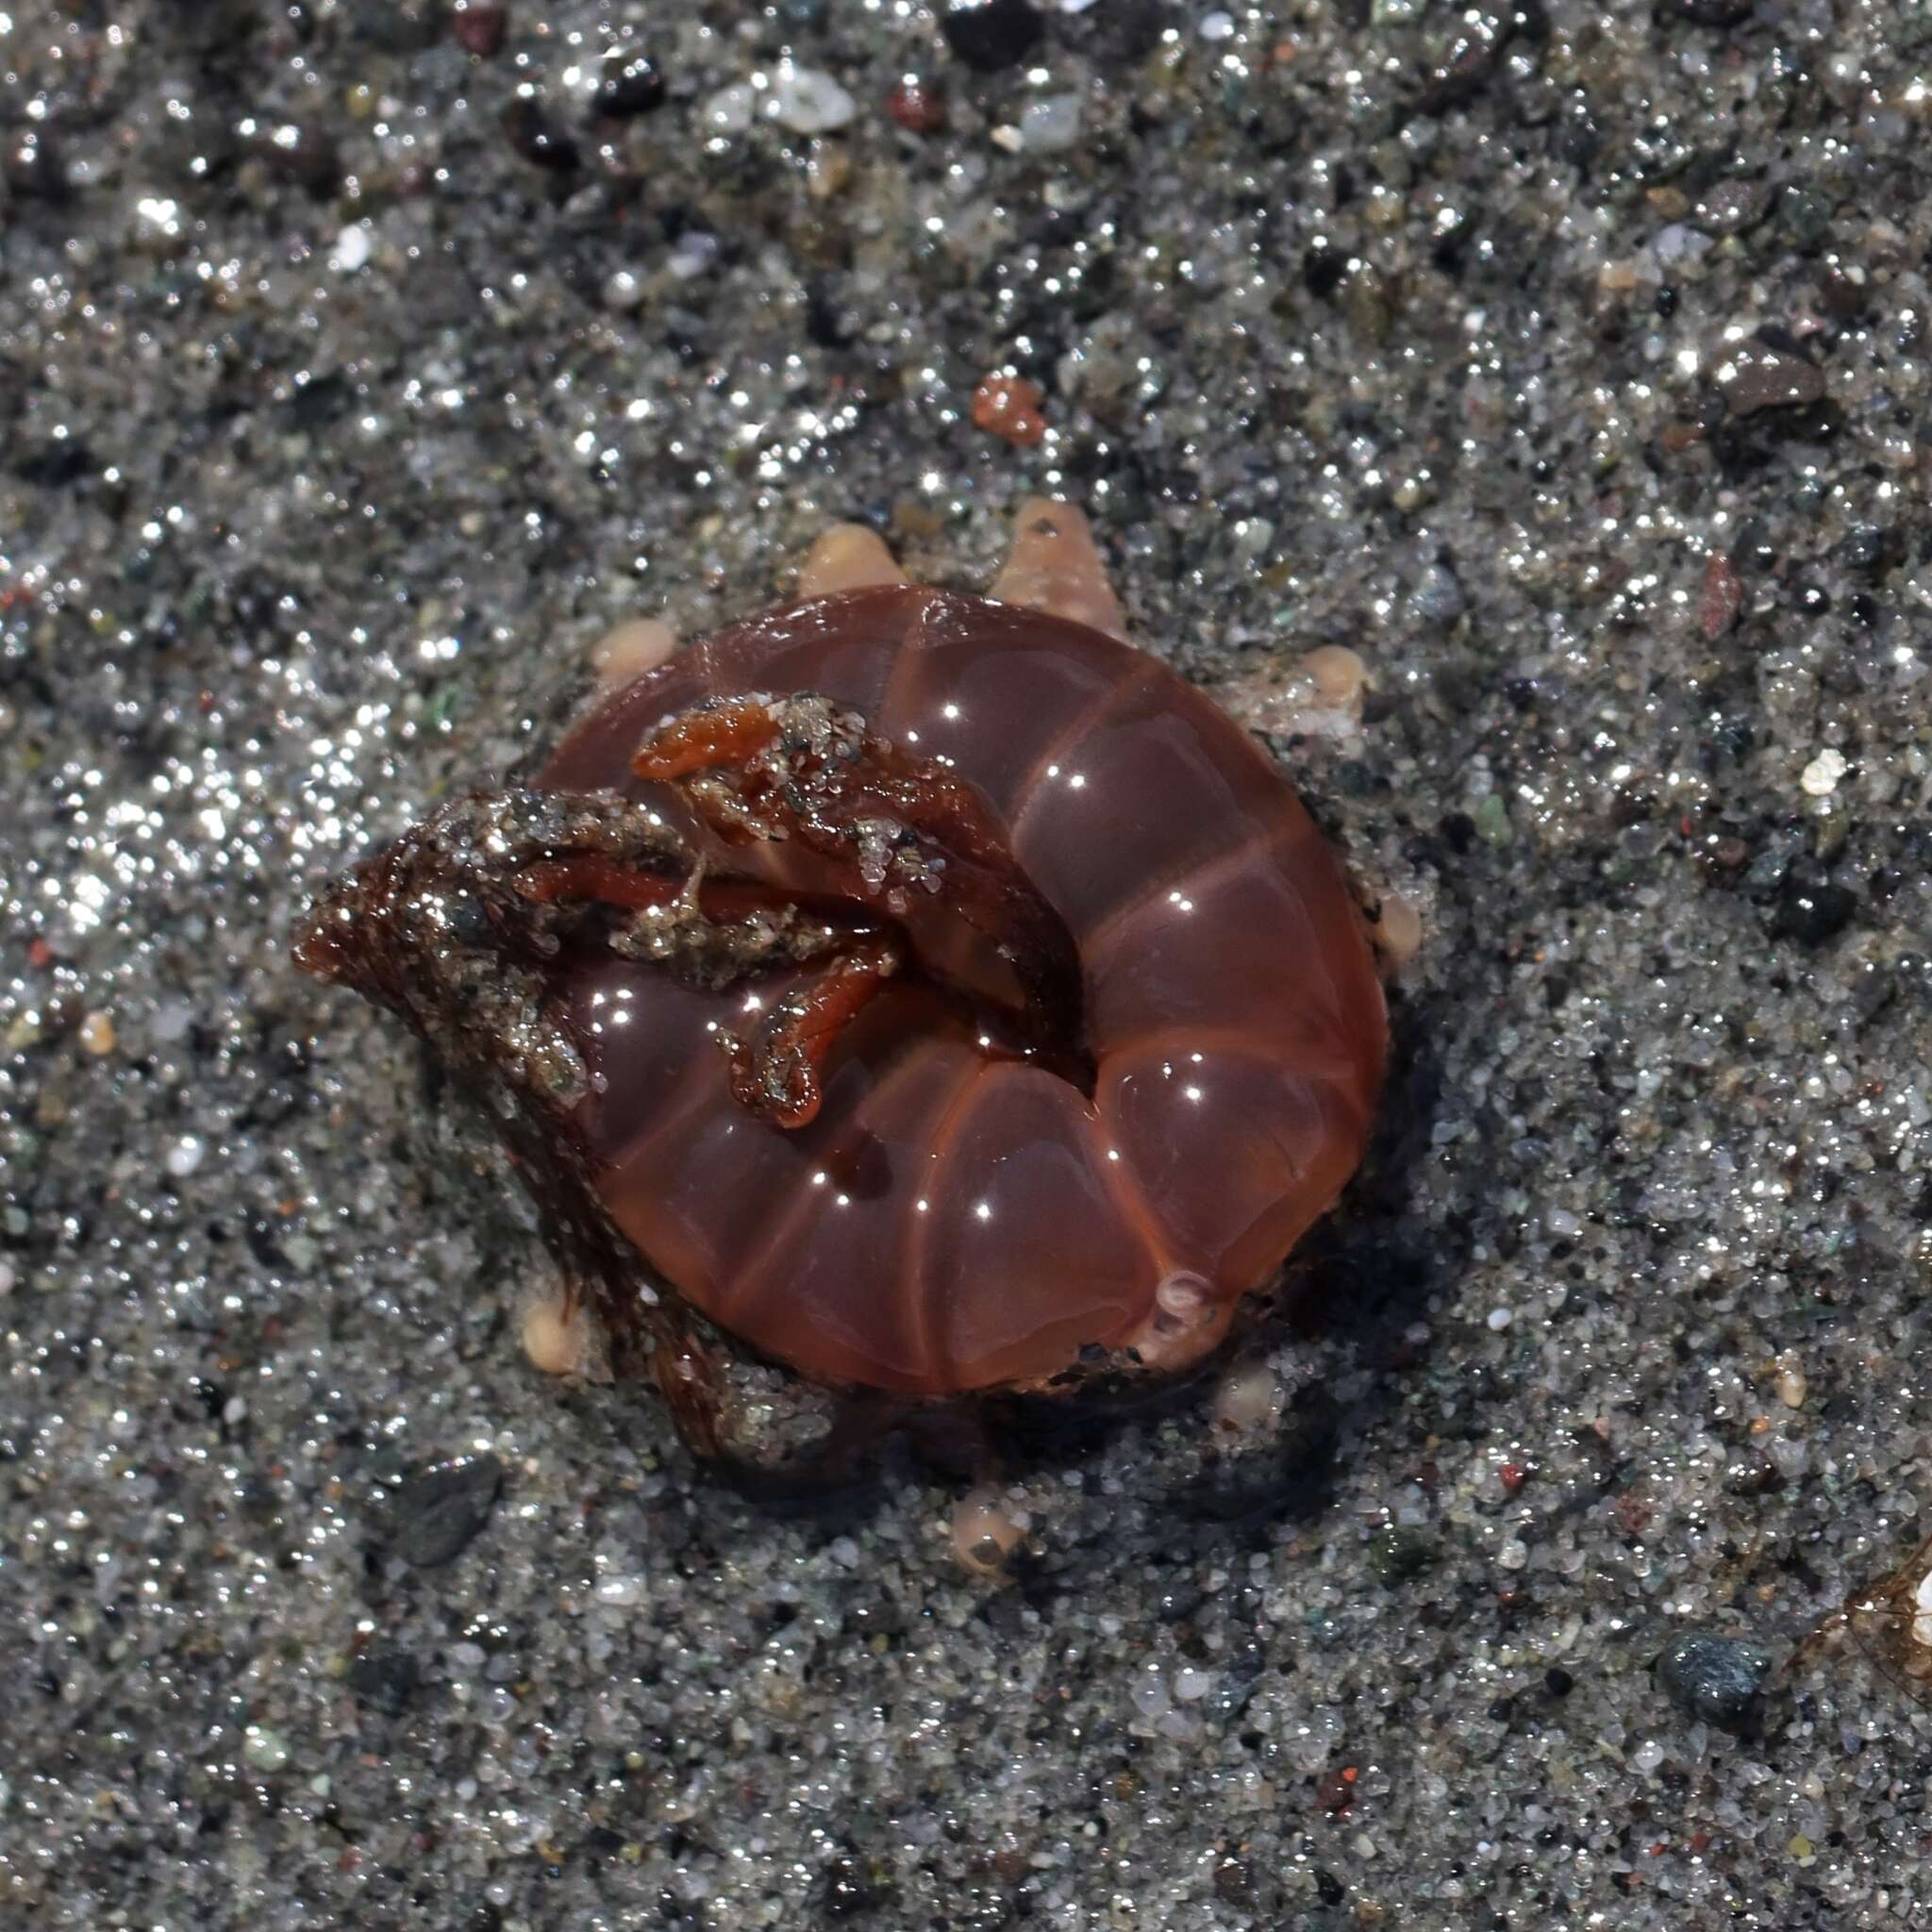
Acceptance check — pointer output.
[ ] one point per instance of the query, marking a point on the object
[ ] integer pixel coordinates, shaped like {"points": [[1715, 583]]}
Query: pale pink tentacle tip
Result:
{"points": [[847, 556], [1056, 566], [631, 648]]}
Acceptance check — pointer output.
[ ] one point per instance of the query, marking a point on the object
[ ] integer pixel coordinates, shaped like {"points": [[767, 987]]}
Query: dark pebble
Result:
{"points": [[1396, 1554], [57, 465], [1463, 62], [1178, 1603], [849, 1889], [1715, 1678], [439, 1511], [1803, 216], [917, 105], [1842, 296], [988, 35], [480, 24], [1115, 35], [1753, 1476], [1234, 1882], [396, 29], [1752, 548], [32, 166], [1759, 376], [1718, 13], [1870, 546], [538, 138], [628, 85], [303, 154], [1875, 987], [385, 1677], [1811, 914], [1558, 1683]]}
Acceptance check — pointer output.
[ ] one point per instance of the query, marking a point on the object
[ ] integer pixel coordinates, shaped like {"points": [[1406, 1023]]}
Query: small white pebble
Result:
{"points": [[1646, 1758], [185, 1156], [1150, 1692], [1792, 1387], [1190, 1686], [1050, 125], [621, 1592], [844, 1551], [1820, 777], [695, 252], [354, 246], [623, 290], [171, 1020], [235, 1411], [265, 1749], [729, 111], [1217, 26], [809, 101], [1514, 1554], [1500, 1319]]}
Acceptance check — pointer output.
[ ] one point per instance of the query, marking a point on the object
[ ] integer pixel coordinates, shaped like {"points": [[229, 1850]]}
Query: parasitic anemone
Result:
{"points": [[901, 993]]}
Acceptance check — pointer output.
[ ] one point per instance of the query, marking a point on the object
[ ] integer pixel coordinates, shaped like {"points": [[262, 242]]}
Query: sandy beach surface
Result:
{"points": [[362, 362]]}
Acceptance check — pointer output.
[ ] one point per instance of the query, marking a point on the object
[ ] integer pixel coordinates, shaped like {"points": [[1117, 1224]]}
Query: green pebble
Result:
{"points": [[1397, 1555], [1492, 821]]}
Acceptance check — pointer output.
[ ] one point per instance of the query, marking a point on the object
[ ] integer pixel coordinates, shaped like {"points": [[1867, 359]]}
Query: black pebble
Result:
{"points": [[385, 1677], [630, 84], [304, 154], [1716, 1678], [1558, 1683], [1114, 35], [31, 165], [1718, 13], [988, 35], [439, 1509], [1869, 546], [538, 138], [1812, 913], [848, 1891]]}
